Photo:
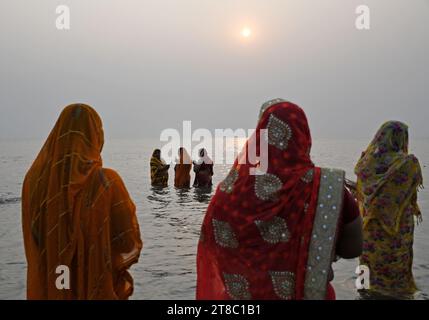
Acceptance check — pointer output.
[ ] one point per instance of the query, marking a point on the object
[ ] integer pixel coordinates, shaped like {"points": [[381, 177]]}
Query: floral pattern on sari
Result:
{"points": [[388, 182]]}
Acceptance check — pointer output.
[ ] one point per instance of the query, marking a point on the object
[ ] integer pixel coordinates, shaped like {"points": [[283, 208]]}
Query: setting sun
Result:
{"points": [[246, 32]]}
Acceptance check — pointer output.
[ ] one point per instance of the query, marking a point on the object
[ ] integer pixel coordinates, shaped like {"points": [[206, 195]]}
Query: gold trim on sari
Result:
{"points": [[323, 236]]}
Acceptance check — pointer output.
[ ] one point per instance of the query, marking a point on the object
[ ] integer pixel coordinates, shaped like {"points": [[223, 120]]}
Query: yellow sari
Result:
{"points": [[158, 172], [387, 186], [77, 214]]}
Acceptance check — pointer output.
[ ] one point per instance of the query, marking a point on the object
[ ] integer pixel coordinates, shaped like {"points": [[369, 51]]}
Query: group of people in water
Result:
{"points": [[274, 235], [203, 169]]}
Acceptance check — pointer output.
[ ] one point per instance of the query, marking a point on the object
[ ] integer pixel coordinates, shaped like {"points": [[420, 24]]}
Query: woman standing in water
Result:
{"points": [[203, 169], [158, 170], [275, 235], [183, 169], [387, 185], [77, 214]]}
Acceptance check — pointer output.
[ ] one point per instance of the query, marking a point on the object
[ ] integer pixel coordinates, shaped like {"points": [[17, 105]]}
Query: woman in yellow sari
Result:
{"points": [[158, 170], [77, 214], [183, 169], [387, 186]]}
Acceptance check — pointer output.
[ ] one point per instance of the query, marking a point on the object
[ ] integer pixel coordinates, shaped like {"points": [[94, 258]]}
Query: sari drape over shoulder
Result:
{"points": [[203, 175], [272, 235], [387, 186], [182, 178], [158, 172], [77, 214]]}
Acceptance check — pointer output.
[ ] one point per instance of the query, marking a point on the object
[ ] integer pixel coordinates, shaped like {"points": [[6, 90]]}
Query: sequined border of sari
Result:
{"points": [[323, 236]]}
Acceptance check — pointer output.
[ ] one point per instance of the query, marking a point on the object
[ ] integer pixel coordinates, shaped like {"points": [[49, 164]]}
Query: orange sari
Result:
{"points": [[77, 214], [182, 170]]}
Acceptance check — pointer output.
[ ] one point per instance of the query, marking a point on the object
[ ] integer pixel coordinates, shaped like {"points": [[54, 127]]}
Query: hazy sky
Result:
{"points": [[148, 65]]}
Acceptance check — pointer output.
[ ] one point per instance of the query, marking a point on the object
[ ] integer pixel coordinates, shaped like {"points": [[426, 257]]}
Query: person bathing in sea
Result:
{"points": [[158, 170], [203, 169], [182, 170]]}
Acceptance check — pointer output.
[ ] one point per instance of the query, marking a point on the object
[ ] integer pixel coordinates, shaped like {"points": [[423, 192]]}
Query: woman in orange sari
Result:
{"points": [[182, 170], [77, 214], [274, 235]]}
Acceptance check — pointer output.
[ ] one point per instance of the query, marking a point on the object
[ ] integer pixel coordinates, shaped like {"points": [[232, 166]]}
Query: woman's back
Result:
{"points": [[388, 181], [271, 235], [182, 170], [73, 211]]}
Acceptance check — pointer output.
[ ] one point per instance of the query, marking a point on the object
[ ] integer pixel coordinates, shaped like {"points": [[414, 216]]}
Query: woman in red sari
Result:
{"points": [[275, 235]]}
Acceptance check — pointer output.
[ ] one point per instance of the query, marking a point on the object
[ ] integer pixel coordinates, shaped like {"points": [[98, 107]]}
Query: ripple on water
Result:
{"points": [[6, 200]]}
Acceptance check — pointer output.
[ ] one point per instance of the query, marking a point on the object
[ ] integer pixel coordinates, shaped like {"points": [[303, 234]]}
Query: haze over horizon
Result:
{"points": [[148, 65]]}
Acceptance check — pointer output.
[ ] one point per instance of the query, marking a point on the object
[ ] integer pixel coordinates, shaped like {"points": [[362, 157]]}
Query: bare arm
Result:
{"points": [[349, 245]]}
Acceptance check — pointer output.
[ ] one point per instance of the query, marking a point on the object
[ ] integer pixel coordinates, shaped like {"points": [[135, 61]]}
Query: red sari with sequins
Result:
{"points": [[272, 235]]}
